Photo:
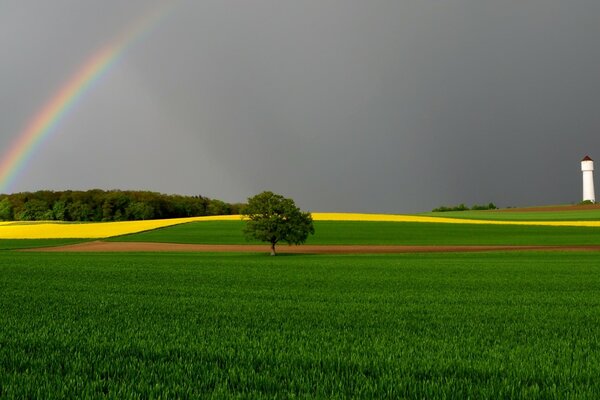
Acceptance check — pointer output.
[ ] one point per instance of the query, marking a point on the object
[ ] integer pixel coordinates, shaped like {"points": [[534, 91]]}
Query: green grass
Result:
{"points": [[12, 244], [206, 232], [569, 215], [492, 325], [401, 233]]}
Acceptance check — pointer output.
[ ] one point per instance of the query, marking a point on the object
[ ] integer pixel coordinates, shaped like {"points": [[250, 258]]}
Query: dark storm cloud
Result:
{"points": [[382, 106]]}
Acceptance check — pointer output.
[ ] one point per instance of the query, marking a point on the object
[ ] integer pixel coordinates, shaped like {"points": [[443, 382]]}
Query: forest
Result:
{"points": [[101, 205]]}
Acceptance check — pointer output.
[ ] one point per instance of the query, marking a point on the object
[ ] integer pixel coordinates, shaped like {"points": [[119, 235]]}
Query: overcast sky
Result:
{"points": [[344, 105]]}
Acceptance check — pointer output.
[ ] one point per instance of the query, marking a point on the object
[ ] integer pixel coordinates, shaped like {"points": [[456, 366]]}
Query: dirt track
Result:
{"points": [[100, 246]]}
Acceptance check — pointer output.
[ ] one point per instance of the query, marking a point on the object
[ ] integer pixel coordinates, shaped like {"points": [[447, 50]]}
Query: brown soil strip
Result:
{"points": [[100, 246]]}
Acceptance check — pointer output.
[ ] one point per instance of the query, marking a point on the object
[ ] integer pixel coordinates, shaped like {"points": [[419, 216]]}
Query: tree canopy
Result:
{"points": [[113, 205], [272, 218]]}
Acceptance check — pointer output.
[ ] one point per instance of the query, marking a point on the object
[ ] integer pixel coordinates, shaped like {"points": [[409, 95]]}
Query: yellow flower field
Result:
{"points": [[98, 230], [417, 218], [92, 230]]}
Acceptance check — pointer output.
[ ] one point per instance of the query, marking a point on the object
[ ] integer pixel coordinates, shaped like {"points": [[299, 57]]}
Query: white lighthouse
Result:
{"points": [[587, 167]]}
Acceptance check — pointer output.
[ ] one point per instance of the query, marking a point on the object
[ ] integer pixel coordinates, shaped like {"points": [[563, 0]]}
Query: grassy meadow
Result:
{"points": [[382, 233], [487, 325], [507, 215], [13, 244], [199, 325]]}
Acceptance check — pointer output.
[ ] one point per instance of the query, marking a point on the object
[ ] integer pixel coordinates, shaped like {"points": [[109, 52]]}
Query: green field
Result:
{"points": [[399, 233], [11, 244], [507, 215], [488, 325], [194, 325]]}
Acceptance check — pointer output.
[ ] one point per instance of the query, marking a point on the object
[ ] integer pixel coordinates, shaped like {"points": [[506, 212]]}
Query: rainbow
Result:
{"points": [[46, 120]]}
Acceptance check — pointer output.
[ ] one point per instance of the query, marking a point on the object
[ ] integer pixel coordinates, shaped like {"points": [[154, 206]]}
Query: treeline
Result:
{"points": [[101, 205], [462, 207]]}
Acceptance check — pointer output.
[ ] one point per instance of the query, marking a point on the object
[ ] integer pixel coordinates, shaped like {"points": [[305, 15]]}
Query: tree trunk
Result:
{"points": [[273, 249]]}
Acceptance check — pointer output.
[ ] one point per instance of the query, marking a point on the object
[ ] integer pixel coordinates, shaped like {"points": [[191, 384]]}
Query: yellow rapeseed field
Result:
{"points": [[98, 230], [92, 230], [417, 218]]}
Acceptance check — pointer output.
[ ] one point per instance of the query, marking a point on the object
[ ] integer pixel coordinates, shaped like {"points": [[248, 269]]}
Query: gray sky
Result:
{"points": [[343, 105]]}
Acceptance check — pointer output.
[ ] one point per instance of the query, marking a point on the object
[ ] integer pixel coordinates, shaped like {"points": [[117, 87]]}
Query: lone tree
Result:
{"points": [[272, 218]]}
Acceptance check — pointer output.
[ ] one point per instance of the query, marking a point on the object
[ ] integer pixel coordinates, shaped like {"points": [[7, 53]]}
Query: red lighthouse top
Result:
{"points": [[587, 158]]}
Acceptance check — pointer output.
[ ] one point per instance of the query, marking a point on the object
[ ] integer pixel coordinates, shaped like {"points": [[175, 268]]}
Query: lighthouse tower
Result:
{"points": [[587, 167]]}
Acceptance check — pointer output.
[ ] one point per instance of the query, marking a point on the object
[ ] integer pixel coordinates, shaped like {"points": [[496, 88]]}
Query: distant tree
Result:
{"points": [[462, 207], [35, 210], [218, 207], [273, 218], [6, 210], [235, 208], [100, 205], [108, 212], [59, 210], [79, 211], [139, 211], [115, 206]]}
